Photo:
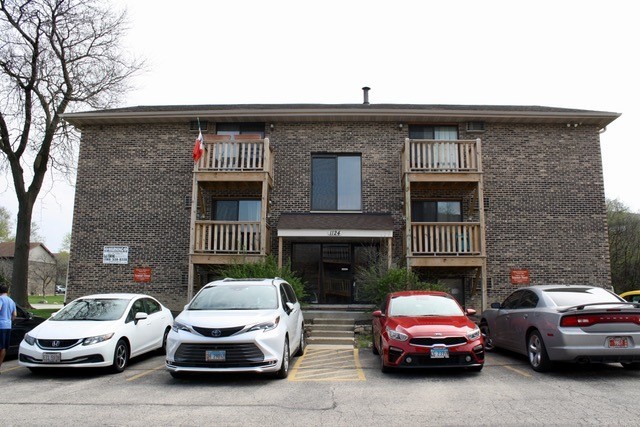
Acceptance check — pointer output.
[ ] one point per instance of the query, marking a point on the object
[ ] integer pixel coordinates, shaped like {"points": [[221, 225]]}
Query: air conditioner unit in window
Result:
{"points": [[475, 126]]}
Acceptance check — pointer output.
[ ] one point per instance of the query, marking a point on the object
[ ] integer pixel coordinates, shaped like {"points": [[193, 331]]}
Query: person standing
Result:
{"points": [[7, 316]]}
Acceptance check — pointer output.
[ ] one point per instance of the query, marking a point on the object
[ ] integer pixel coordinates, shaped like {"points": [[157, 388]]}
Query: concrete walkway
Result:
{"points": [[46, 306]]}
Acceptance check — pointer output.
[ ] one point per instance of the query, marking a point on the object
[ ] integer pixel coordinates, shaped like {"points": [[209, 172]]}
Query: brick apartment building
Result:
{"points": [[480, 198]]}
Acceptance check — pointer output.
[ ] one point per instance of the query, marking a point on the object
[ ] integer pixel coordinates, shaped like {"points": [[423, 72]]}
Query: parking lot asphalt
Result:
{"points": [[325, 386]]}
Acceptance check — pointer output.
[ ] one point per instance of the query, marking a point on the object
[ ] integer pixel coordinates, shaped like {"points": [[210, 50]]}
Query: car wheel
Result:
{"points": [[120, 357], [374, 349], [303, 343], [486, 333], [284, 366], [163, 349], [537, 353], [634, 366], [383, 367]]}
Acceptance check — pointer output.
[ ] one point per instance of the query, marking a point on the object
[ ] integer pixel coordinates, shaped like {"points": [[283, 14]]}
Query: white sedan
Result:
{"points": [[103, 330]]}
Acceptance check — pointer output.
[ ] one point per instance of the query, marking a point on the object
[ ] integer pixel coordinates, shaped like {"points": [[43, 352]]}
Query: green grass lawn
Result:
{"points": [[49, 299]]}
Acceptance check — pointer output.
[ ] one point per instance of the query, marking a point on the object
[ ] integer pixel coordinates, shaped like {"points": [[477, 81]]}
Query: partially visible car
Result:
{"points": [[23, 323], [631, 296], [60, 289], [238, 325], [426, 329], [103, 330], [565, 323]]}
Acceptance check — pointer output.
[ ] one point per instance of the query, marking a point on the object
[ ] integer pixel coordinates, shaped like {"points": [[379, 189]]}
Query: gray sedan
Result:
{"points": [[567, 323]]}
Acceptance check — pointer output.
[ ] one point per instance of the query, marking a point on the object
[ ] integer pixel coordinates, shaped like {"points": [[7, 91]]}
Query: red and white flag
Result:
{"points": [[198, 148]]}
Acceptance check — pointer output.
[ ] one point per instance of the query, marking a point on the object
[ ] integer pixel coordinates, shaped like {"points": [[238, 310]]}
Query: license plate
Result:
{"points": [[216, 355], [618, 342], [439, 353], [51, 357]]}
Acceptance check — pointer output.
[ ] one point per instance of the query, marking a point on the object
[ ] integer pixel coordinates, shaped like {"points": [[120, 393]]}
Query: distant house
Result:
{"points": [[42, 267]]}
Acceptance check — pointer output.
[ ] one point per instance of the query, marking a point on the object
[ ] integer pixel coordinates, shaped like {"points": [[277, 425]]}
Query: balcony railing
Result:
{"points": [[445, 238], [427, 155], [228, 237], [245, 153]]}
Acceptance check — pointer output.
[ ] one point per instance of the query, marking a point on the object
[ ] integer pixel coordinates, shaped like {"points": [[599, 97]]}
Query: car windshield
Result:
{"points": [[100, 309], [424, 305], [564, 297], [236, 297]]}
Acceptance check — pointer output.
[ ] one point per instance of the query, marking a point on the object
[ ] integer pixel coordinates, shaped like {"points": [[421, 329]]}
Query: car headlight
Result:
{"points": [[265, 326], [473, 334], [177, 326], [29, 339], [97, 339], [395, 335]]}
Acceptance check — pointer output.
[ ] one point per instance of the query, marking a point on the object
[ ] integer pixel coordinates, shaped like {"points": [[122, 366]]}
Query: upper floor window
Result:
{"points": [[236, 210], [336, 182], [240, 129], [433, 132], [436, 211]]}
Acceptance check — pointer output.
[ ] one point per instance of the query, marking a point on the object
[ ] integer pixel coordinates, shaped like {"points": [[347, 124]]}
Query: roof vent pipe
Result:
{"points": [[366, 95]]}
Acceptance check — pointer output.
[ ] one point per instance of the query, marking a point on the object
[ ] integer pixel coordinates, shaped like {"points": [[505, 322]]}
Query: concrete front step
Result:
{"points": [[323, 327], [331, 340], [331, 333]]}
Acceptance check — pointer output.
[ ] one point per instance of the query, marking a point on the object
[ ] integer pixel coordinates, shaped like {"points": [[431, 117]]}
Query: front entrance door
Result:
{"points": [[328, 270]]}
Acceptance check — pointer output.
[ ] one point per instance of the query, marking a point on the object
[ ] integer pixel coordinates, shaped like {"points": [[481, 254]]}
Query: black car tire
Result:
{"points": [[486, 333], [284, 368], [120, 357], [537, 352], [374, 349], [163, 349], [303, 344], [384, 368], [633, 366]]}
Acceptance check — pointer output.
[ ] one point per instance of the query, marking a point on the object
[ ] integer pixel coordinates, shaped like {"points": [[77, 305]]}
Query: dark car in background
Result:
{"points": [[23, 323]]}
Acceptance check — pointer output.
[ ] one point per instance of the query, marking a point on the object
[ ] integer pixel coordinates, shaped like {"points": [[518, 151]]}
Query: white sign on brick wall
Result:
{"points": [[115, 255]]}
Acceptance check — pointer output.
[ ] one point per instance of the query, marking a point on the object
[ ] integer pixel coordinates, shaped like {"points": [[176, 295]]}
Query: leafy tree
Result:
{"points": [[5, 225], [55, 56], [624, 246]]}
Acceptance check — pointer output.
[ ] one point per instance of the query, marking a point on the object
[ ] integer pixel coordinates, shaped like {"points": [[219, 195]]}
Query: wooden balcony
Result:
{"points": [[442, 244], [235, 158], [427, 160], [225, 242]]}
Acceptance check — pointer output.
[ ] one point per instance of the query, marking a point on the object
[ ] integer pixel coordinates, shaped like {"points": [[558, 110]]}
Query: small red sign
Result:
{"points": [[142, 274], [519, 277]]}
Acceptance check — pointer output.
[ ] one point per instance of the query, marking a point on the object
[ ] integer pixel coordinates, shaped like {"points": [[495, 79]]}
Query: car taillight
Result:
{"points": [[582, 320]]}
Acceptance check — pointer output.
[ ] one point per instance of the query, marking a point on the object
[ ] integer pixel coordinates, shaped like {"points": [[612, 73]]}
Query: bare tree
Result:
{"points": [[55, 56], [43, 274]]}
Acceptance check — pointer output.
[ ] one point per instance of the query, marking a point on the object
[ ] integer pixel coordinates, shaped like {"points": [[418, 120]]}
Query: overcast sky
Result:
{"points": [[573, 54]]}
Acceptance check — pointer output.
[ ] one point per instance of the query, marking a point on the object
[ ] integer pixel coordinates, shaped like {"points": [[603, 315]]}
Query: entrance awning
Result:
{"points": [[338, 225]]}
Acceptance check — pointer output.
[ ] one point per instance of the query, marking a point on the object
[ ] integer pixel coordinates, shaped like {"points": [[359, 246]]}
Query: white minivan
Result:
{"points": [[238, 325]]}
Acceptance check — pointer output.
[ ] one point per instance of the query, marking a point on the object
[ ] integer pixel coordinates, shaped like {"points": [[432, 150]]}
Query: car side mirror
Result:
{"points": [[470, 312], [290, 306], [496, 305], [377, 313], [141, 315]]}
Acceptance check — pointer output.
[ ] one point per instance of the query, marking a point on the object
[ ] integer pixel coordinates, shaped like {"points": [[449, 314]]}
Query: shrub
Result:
{"points": [[265, 269]]}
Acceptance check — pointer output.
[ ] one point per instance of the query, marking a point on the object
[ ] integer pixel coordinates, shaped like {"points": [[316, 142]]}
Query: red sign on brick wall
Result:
{"points": [[142, 274], [519, 277]]}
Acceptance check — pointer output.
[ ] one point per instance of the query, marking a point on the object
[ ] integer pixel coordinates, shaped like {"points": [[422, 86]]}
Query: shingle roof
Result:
{"points": [[8, 249]]}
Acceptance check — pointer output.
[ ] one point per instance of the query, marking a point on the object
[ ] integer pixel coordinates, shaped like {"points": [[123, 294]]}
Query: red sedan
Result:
{"points": [[426, 329]]}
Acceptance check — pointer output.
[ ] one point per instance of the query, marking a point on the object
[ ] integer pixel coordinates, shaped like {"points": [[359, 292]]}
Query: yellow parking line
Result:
{"points": [[328, 365], [356, 356], [11, 369], [518, 371], [145, 373]]}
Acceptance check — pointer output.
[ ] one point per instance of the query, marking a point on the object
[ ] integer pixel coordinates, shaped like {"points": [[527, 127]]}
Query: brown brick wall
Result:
{"points": [[543, 190]]}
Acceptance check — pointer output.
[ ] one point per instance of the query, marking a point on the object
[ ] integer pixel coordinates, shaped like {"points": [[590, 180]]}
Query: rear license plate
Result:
{"points": [[51, 358], [439, 353], [216, 355], [617, 342]]}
